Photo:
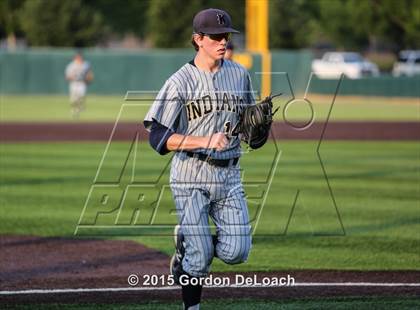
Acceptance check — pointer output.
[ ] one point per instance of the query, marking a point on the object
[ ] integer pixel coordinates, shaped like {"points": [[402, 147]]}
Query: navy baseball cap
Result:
{"points": [[213, 21]]}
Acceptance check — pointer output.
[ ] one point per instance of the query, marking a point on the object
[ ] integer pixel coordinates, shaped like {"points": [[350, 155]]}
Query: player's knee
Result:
{"points": [[237, 252]]}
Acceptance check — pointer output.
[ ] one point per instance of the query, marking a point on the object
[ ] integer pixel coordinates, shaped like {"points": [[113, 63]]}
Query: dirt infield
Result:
{"points": [[29, 263], [21, 132]]}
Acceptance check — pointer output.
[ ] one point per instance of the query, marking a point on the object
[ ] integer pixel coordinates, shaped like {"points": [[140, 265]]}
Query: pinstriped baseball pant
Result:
{"points": [[201, 191]]}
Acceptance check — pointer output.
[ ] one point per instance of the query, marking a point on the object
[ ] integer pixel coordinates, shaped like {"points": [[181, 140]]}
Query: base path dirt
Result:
{"points": [[21, 132], [38, 263]]}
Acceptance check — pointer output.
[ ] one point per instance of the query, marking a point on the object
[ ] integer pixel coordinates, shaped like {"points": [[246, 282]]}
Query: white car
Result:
{"points": [[352, 65], [408, 64]]}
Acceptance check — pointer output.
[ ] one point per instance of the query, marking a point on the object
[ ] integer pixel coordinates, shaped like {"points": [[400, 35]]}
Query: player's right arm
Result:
{"points": [[178, 142], [164, 140]]}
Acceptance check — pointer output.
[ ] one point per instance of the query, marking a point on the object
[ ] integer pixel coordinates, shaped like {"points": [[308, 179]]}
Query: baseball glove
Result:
{"points": [[255, 122]]}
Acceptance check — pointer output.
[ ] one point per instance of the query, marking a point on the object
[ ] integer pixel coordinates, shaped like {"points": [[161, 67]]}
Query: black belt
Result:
{"points": [[213, 161]]}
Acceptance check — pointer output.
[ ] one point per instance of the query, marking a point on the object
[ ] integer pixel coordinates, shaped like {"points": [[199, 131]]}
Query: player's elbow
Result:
{"points": [[158, 137], [158, 145]]}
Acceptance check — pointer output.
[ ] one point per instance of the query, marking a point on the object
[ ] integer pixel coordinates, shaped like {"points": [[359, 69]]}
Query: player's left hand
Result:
{"points": [[255, 122]]}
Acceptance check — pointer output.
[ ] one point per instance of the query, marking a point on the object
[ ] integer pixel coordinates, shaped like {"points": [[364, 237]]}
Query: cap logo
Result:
{"points": [[220, 19]]}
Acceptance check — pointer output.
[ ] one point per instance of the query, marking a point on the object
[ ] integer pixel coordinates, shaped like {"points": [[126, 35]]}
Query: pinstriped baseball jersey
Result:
{"points": [[200, 103]]}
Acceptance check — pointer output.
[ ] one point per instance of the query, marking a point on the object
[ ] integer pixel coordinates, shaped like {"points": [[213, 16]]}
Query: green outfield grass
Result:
{"points": [[371, 303], [375, 185], [106, 108]]}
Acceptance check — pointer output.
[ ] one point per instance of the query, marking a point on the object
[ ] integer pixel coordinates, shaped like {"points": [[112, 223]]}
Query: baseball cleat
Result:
{"points": [[175, 266]]}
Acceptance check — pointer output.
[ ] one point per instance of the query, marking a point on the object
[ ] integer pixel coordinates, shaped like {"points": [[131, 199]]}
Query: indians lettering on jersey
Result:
{"points": [[205, 105]]}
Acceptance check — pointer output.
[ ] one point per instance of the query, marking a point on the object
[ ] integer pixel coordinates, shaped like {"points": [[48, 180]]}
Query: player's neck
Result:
{"points": [[206, 63]]}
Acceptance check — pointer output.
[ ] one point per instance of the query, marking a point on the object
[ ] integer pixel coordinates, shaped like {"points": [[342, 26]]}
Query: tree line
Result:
{"points": [[345, 24]]}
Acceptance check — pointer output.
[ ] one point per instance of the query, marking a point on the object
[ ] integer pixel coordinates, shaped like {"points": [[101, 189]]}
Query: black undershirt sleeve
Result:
{"points": [[158, 137]]}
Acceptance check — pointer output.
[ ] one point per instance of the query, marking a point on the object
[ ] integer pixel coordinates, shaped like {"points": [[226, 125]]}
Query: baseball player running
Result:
{"points": [[79, 74], [197, 115]]}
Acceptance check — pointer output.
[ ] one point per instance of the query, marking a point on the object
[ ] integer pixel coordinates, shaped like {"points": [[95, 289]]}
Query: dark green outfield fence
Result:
{"points": [[41, 71], [386, 86], [116, 72], [290, 67]]}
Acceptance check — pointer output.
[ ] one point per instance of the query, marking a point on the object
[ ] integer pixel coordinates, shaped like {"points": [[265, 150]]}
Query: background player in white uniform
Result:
{"points": [[79, 74], [193, 116]]}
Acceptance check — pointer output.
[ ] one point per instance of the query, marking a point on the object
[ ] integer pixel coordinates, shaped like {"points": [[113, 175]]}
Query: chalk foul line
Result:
{"points": [[168, 288]]}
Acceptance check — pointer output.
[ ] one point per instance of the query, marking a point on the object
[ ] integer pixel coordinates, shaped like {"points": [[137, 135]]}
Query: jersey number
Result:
{"points": [[227, 128]]}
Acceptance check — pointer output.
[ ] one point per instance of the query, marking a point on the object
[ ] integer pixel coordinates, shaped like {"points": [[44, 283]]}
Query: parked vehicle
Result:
{"points": [[408, 63], [352, 65]]}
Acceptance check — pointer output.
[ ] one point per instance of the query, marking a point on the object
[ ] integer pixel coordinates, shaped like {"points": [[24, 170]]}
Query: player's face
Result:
{"points": [[214, 45], [78, 58]]}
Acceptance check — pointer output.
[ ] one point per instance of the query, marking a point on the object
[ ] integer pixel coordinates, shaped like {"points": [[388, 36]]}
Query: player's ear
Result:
{"points": [[198, 38]]}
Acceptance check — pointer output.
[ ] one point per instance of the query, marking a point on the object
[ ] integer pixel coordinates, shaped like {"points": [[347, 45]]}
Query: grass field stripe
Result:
{"points": [[117, 121], [108, 144], [99, 169], [105, 152], [270, 181], [169, 288]]}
